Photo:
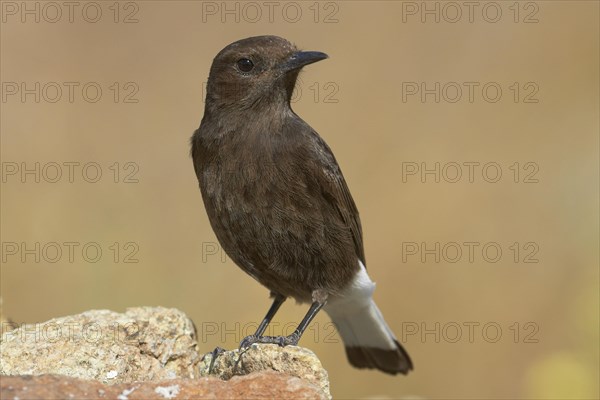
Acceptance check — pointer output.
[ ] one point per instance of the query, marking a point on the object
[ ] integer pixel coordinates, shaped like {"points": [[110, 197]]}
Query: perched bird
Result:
{"points": [[278, 202]]}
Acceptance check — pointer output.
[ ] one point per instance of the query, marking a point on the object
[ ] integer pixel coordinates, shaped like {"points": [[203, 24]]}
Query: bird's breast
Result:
{"points": [[266, 205]]}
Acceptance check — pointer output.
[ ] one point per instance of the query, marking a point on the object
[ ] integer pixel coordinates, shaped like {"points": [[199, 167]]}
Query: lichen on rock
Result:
{"points": [[146, 352], [296, 361], [139, 345]]}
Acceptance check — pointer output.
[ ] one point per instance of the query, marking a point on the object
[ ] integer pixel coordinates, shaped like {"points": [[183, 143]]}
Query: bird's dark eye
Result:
{"points": [[245, 65]]}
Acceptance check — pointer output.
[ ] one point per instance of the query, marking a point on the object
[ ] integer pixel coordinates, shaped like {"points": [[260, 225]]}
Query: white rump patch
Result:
{"points": [[357, 317]]}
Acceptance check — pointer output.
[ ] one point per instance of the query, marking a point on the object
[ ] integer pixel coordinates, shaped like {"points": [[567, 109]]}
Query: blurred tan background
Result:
{"points": [[362, 102]]}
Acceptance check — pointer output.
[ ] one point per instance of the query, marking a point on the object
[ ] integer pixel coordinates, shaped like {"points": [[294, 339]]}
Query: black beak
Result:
{"points": [[302, 58]]}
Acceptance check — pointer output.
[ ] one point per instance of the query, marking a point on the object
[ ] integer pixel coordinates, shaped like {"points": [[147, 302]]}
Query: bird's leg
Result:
{"points": [[291, 339], [277, 302]]}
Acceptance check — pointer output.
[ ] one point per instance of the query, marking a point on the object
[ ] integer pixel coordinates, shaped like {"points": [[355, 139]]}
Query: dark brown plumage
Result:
{"points": [[274, 193]]}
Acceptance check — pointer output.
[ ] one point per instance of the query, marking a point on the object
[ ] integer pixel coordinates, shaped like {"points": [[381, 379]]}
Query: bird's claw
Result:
{"points": [[215, 353]]}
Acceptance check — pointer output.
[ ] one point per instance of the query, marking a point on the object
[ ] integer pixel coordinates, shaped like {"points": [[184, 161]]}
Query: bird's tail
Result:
{"points": [[369, 341]]}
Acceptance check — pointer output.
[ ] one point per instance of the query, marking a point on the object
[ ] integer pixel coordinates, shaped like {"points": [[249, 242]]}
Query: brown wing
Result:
{"points": [[336, 191]]}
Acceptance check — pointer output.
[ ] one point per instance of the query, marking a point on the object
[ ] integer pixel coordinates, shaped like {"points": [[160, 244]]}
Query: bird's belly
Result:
{"points": [[273, 228]]}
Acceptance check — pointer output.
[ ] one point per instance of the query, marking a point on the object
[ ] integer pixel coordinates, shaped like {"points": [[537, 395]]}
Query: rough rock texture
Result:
{"points": [[260, 385], [146, 353], [296, 361], [143, 344]]}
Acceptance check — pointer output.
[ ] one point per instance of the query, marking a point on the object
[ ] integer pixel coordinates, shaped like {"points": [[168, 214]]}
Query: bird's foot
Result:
{"points": [[215, 354], [291, 340]]}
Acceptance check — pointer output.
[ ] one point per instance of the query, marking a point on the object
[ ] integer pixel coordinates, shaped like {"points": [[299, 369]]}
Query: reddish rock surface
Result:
{"points": [[266, 384]]}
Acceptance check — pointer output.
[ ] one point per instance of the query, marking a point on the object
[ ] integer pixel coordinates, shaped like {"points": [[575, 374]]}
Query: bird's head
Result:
{"points": [[255, 71]]}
